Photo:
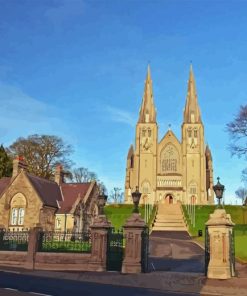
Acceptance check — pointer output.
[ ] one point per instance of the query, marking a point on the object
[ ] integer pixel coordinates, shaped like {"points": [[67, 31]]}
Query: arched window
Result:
{"points": [[17, 212]]}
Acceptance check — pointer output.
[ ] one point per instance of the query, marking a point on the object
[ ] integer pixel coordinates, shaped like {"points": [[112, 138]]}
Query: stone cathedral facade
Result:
{"points": [[171, 170]]}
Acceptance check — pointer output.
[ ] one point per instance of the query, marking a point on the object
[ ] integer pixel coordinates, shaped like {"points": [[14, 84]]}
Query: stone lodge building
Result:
{"points": [[27, 201], [170, 170]]}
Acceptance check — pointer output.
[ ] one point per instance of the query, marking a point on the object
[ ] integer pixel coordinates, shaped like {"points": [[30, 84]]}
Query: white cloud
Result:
{"points": [[119, 115]]}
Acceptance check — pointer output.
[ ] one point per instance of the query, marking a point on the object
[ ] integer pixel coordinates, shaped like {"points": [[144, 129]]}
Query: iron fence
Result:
{"points": [[64, 242], [13, 240]]}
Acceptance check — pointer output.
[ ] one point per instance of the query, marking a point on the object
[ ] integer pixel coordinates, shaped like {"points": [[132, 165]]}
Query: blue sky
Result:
{"points": [[76, 69]]}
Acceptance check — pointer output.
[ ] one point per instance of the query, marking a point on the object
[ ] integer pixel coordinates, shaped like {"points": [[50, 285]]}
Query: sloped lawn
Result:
{"points": [[239, 217]]}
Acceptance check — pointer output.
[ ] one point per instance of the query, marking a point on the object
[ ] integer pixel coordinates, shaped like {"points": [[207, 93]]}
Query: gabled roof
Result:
{"points": [[169, 136], [71, 193], [48, 191], [51, 194], [4, 183]]}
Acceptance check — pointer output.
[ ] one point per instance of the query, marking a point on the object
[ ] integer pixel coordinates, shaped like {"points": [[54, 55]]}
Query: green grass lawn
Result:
{"points": [[239, 217], [117, 214]]}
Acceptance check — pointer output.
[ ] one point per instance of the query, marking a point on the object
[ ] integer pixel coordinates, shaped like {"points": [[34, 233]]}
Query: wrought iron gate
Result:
{"points": [[144, 250], [114, 250], [207, 250]]}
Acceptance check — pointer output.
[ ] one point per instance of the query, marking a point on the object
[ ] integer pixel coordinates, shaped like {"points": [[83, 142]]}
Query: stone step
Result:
{"points": [[169, 221], [169, 216], [169, 224], [167, 228]]}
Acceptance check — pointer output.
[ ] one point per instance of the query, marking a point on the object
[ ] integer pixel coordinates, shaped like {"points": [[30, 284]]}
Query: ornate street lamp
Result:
{"points": [[136, 195], [218, 190], [101, 201]]}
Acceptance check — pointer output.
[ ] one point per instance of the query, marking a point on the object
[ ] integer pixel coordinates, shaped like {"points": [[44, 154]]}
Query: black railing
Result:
{"points": [[64, 242], [13, 240]]}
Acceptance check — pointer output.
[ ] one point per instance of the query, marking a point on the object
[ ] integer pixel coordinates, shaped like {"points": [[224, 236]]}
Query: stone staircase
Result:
{"points": [[169, 217]]}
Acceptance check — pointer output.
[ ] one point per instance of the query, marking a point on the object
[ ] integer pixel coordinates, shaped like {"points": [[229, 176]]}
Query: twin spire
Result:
{"points": [[147, 112], [192, 112]]}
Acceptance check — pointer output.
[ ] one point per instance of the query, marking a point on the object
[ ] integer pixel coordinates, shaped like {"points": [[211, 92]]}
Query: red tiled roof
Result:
{"points": [[71, 192], [4, 182], [48, 191]]}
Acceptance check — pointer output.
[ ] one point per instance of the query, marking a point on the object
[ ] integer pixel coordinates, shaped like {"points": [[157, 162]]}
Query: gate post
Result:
{"points": [[33, 240], [221, 245], [99, 230], [133, 229]]}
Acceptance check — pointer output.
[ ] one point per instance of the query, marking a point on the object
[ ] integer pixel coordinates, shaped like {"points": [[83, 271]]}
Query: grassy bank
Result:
{"points": [[119, 213], [239, 217]]}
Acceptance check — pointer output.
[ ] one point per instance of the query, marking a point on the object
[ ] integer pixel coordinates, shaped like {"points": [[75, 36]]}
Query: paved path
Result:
{"points": [[175, 251]]}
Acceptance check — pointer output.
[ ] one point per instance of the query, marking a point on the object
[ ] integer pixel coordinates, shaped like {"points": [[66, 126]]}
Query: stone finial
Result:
{"points": [[220, 217]]}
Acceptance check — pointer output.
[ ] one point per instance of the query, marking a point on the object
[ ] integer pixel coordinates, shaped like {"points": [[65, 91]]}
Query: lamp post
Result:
{"points": [[218, 190], [136, 195], [101, 201]]}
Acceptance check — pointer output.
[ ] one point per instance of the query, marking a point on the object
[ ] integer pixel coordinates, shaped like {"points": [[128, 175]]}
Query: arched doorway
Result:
{"points": [[169, 199]]}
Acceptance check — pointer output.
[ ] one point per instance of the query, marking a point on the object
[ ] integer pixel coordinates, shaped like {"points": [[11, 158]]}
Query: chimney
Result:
{"points": [[59, 174], [18, 165]]}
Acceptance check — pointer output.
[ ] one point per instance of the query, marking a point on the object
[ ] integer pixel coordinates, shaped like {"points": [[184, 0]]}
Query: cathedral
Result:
{"points": [[171, 170]]}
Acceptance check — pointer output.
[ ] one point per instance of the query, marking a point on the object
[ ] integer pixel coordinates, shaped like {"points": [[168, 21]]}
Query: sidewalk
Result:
{"points": [[164, 281]]}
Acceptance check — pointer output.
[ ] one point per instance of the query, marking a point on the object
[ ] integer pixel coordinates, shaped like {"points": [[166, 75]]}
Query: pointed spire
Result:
{"points": [[192, 112], [147, 111]]}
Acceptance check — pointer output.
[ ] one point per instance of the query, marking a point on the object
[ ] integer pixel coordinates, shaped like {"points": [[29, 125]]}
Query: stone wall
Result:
{"points": [[13, 258]]}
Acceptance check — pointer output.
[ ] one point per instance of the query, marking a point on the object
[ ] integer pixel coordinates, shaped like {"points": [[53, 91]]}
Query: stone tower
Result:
{"points": [[170, 170], [141, 163], [193, 147]]}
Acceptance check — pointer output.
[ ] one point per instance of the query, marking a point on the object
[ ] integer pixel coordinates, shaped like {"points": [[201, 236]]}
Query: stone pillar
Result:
{"points": [[32, 247], [220, 228], [133, 247], [99, 231]]}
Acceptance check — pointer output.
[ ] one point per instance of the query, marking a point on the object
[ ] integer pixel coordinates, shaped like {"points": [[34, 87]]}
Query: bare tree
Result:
{"points": [[237, 130], [83, 175], [116, 195], [42, 153], [241, 193]]}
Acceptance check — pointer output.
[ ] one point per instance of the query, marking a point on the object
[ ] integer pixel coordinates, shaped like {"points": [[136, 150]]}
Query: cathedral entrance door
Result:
{"points": [[169, 199]]}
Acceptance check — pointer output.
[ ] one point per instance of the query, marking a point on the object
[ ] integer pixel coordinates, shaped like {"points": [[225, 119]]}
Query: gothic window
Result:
{"points": [[149, 132], [169, 159], [189, 133], [144, 132], [132, 162], [195, 133], [17, 212]]}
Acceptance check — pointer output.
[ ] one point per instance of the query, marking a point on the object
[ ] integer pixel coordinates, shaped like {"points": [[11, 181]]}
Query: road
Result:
{"points": [[24, 285]]}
